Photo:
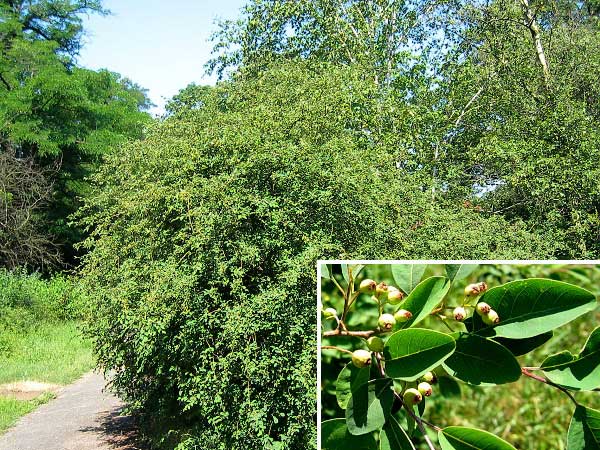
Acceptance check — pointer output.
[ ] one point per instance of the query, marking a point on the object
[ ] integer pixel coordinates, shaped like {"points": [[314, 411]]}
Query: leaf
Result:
{"points": [[534, 306], [426, 296], [478, 360], [459, 271], [350, 378], [448, 387], [581, 372], [354, 268], [407, 276], [369, 406], [520, 347], [325, 272], [335, 436], [584, 429], [463, 438], [393, 437], [411, 353]]}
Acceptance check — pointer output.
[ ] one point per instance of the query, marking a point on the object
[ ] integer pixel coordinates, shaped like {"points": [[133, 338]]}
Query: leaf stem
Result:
{"points": [[525, 371], [333, 347]]}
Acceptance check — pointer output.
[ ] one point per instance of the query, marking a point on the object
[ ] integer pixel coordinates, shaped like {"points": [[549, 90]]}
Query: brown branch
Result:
{"points": [[338, 332], [525, 371]]}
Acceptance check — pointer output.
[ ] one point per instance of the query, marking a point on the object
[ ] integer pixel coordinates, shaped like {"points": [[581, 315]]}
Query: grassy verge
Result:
{"points": [[39, 338]]}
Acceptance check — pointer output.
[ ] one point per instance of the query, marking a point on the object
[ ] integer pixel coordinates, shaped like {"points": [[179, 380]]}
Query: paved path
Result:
{"points": [[82, 417]]}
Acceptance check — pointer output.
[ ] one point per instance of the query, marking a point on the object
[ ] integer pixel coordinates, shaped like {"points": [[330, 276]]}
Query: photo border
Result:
{"points": [[320, 262]]}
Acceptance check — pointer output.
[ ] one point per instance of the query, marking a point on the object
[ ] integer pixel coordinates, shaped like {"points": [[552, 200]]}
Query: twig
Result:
{"points": [[525, 371], [333, 347], [362, 334]]}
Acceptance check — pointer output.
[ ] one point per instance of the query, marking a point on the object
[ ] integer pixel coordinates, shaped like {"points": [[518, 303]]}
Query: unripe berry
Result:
{"points": [[475, 289], [367, 286], [361, 358], [482, 308], [375, 344], [429, 377], [330, 313], [381, 289], [394, 296], [491, 318], [459, 313], [402, 315], [412, 396], [425, 388], [386, 321]]}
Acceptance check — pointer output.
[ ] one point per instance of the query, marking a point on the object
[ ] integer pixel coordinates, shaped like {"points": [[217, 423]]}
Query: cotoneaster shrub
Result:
{"points": [[204, 240]]}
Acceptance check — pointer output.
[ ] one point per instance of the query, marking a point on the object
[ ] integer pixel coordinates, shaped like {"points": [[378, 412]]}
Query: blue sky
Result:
{"points": [[161, 45]]}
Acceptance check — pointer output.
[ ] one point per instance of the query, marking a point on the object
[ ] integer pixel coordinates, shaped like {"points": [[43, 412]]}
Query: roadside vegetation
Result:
{"points": [[41, 347]]}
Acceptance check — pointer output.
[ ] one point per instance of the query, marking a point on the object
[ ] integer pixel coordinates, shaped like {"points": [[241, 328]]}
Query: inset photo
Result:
{"points": [[453, 355]]}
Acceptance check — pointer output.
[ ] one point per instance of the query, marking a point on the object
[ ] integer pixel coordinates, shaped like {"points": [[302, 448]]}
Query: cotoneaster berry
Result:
{"points": [[375, 344], [425, 388], [402, 315], [367, 286], [386, 321], [429, 377], [395, 296], [381, 288], [459, 313], [412, 396], [361, 358], [475, 289], [330, 313], [491, 318], [482, 308]]}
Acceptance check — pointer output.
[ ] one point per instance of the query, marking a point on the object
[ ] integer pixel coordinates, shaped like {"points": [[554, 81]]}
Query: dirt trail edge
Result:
{"points": [[82, 417]]}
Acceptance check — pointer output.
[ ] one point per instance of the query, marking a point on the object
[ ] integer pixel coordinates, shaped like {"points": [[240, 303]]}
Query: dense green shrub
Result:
{"points": [[204, 239]]}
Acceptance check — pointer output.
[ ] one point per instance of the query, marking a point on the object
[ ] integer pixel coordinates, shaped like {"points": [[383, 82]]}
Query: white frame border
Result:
{"points": [[320, 262]]}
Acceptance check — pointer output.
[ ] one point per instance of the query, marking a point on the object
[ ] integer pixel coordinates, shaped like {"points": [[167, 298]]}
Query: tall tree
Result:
{"points": [[55, 112]]}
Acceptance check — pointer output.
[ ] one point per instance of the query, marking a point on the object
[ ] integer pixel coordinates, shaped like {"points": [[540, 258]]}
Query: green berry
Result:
{"points": [[381, 288], [367, 286], [394, 296], [425, 388], [491, 318], [402, 315], [330, 313], [474, 289], [412, 396], [386, 322], [429, 377], [375, 344], [361, 358], [459, 313], [482, 308]]}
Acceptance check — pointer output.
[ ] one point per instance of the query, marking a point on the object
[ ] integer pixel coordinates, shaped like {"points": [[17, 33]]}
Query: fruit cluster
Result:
{"points": [[382, 293], [487, 314]]}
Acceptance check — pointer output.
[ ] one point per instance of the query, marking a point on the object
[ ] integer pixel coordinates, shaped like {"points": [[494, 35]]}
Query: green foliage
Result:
{"points": [[205, 237], [63, 116], [461, 357]]}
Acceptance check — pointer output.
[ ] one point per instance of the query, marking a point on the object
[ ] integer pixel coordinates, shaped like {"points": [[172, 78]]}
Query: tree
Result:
{"points": [[54, 112]]}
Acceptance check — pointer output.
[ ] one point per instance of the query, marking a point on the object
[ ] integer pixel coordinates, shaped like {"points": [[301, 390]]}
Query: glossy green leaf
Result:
{"points": [[478, 360], [520, 347], [463, 438], [410, 353], [325, 271], [369, 406], [580, 372], [393, 437], [424, 298], [584, 429], [459, 271], [350, 378], [335, 436], [534, 306], [354, 268], [408, 276], [448, 387]]}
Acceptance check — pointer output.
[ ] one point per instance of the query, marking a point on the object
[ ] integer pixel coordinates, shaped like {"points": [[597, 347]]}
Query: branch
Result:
{"points": [[338, 332], [525, 371]]}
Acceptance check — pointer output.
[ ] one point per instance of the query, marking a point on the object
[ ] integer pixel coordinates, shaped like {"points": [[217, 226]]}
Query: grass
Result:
{"points": [[47, 352], [11, 410], [39, 337]]}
